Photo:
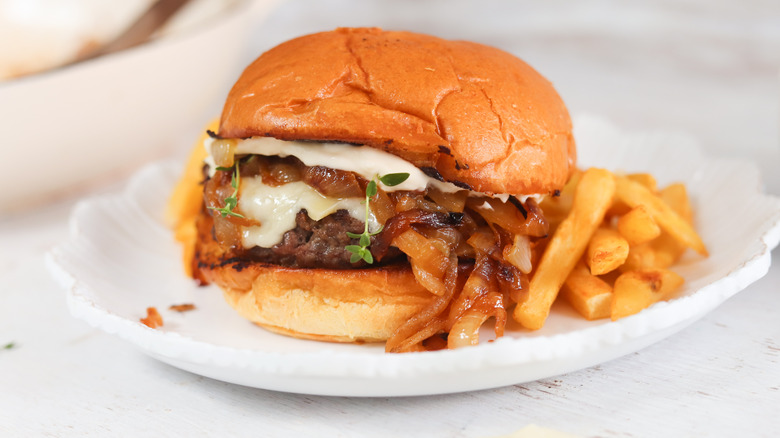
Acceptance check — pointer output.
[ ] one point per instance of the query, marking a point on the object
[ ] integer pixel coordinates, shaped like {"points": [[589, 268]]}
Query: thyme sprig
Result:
{"points": [[362, 251], [231, 201]]}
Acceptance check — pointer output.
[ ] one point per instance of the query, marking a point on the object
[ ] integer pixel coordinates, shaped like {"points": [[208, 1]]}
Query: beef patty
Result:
{"points": [[318, 244], [313, 244]]}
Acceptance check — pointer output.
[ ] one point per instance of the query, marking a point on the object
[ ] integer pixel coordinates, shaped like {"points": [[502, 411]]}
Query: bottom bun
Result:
{"points": [[350, 305], [357, 305]]}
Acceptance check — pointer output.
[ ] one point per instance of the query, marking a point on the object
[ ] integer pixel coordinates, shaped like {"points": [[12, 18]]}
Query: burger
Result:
{"points": [[365, 185]]}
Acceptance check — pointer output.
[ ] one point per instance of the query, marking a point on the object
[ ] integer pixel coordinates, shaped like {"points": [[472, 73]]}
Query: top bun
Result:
{"points": [[476, 114]]}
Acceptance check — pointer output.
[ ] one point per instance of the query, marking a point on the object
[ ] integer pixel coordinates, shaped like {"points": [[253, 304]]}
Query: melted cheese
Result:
{"points": [[276, 208], [366, 161], [363, 160]]}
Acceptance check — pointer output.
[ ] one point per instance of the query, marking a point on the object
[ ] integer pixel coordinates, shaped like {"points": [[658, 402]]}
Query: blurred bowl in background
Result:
{"points": [[64, 129]]}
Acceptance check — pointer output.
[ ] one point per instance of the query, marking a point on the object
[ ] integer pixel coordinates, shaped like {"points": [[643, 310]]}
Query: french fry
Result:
{"points": [[187, 196], [676, 196], [642, 256], [661, 252], [664, 250], [637, 290], [187, 234], [635, 194], [592, 198], [637, 226], [556, 208], [667, 250], [186, 200], [588, 294], [645, 179], [606, 251], [619, 207]]}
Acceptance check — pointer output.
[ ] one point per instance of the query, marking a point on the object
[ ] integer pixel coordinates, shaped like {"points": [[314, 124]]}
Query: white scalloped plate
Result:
{"points": [[121, 259]]}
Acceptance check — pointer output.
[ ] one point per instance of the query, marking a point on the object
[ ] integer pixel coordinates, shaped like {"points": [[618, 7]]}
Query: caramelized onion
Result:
{"points": [[493, 304], [415, 341], [508, 217], [465, 331], [382, 206], [519, 253], [445, 239], [483, 242], [283, 173], [223, 151], [404, 221], [333, 183], [406, 201], [450, 201], [512, 282], [276, 171], [429, 264], [419, 321], [536, 224], [215, 190], [435, 343], [227, 233], [480, 282]]}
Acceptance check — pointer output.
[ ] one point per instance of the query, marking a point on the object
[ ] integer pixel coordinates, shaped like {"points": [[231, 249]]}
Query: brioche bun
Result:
{"points": [[358, 305], [476, 114]]}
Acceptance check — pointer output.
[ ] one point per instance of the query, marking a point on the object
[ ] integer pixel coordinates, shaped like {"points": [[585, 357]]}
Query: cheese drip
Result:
{"points": [[276, 207]]}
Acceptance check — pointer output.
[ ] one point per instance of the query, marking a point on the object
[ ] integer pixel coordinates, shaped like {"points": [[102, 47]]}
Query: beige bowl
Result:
{"points": [[68, 128]]}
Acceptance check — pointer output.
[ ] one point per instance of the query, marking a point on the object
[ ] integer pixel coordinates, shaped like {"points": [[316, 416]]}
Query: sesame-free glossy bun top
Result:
{"points": [[474, 113]]}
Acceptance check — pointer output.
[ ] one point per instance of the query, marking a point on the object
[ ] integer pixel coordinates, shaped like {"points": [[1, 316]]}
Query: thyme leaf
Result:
{"points": [[362, 251], [231, 202]]}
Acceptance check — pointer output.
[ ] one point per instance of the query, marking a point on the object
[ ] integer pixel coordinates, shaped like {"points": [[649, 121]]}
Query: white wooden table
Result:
{"points": [[710, 71]]}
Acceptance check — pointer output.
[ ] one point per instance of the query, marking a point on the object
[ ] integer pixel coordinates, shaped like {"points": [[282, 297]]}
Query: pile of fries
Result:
{"points": [[613, 239]]}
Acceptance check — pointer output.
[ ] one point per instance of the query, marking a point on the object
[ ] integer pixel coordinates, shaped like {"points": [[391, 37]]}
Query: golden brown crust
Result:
{"points": [[329, 305], [475, 113]]}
